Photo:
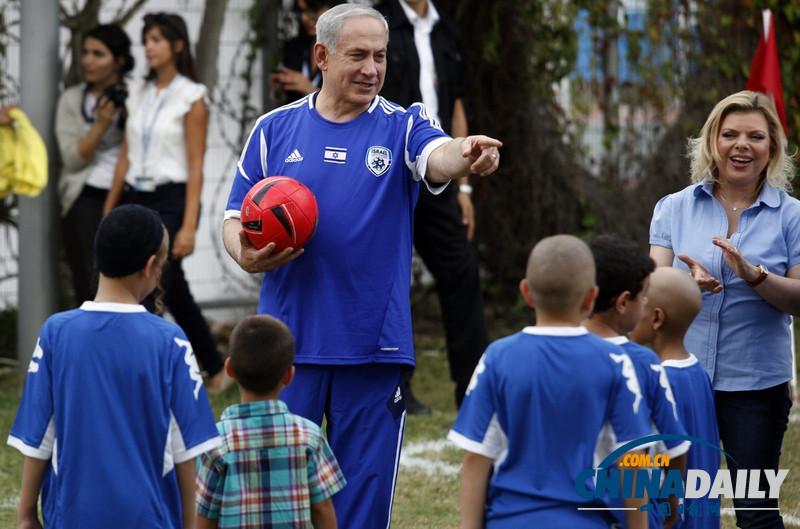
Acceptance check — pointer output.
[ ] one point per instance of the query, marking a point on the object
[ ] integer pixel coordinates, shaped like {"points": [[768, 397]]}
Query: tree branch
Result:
{"points": [[124, 19], [207, 50]]}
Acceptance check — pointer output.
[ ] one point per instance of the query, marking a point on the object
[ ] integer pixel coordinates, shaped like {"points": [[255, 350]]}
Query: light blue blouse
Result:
{"points": [[743, 342]]}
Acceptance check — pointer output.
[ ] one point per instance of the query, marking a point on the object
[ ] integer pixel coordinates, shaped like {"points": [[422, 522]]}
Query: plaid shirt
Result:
{"points": [[271, 467]]}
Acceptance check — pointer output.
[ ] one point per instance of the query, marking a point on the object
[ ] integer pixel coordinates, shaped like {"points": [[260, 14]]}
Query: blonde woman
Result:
{"points": [[737, 231]]}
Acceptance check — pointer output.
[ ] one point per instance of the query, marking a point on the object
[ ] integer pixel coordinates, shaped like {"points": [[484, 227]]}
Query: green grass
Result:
{"points": [[421, 500]]}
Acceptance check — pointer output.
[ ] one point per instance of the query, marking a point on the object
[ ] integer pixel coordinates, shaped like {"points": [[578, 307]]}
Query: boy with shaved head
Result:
{"points": [[538, 400], [672, 304]]}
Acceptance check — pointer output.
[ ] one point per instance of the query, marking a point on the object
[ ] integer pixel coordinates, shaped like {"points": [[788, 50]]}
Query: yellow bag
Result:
{"points": [[23, 157]]}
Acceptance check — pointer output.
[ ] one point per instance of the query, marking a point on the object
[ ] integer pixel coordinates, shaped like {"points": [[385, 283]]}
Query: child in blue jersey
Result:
{"points": [[274, 468], [538, 400], [672, 304], [114, 398], [623, 272]]}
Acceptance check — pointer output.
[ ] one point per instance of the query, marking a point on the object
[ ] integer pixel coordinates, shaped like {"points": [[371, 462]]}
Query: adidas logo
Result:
{"points": [[397, 395], [294, 157]]}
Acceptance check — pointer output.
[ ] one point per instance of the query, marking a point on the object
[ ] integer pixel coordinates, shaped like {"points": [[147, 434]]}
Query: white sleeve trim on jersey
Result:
{"points": [[202, 448], [679, 450], [29, 451], [421, 166], [175, 450], [494, 444], [640, 447], [45, 449], [232, 214], [465, 443]]}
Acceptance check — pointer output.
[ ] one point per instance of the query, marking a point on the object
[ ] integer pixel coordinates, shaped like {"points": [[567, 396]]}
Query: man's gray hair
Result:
{"points": [[329, 25]]}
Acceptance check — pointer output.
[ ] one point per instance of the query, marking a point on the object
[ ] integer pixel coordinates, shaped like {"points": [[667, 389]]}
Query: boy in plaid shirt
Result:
{"points": [[274, 469]]}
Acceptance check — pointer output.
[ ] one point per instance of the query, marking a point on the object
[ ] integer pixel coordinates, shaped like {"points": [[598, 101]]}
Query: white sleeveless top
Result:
{"points": [[166, 160]]}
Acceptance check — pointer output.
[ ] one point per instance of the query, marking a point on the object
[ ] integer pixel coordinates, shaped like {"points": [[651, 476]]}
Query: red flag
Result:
{"points": [[765, 75]]}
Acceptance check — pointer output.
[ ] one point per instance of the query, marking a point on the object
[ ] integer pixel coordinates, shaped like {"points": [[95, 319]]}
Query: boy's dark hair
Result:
{"points": [[125, 240], [261, 350], [621, 265], [173, 28]]}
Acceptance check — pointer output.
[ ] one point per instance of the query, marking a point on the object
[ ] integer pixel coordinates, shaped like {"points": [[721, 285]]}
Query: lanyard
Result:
{"points": [[147, 131]]}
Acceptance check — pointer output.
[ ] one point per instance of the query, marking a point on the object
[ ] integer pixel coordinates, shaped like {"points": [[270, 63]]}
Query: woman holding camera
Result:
{"points": [[299, 75], [90, 121], [161, 167]]}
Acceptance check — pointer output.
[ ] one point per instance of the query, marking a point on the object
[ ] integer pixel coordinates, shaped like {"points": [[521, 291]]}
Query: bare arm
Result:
{"points": [[323, 516], [206, 523], [295, 81], [247, 256], [635, 519], [186, 473], [196, 125], [32, 475], [475, 474], [661, 255], [118, 185], [461, 156], [679, 464], [458, 125], [781, 292]]}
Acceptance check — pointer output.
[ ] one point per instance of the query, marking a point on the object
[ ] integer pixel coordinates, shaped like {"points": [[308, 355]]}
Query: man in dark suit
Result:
{"points": [[426, 64]]}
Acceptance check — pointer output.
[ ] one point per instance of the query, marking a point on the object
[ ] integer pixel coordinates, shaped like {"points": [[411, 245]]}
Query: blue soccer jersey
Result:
{"points": [[535, 405], [695, 398], [346, 298], [114, 398], [659, 405]]}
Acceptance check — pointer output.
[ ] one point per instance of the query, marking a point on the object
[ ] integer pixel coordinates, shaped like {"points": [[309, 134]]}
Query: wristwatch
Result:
{"points": [[465, 188], [761, 277]]}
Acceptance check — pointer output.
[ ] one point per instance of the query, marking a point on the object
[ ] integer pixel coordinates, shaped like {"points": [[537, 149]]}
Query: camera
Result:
{"points": [[117, 94]]}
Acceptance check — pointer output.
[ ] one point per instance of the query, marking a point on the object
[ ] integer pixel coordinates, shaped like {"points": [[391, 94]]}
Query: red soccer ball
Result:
{"points": [[279, 209]]}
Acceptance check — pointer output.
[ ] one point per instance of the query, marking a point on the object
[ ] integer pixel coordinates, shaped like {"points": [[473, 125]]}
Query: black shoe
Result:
{"points": [[413, 406]]}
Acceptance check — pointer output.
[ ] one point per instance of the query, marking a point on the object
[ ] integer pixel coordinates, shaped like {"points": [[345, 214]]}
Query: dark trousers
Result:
{"points": [[751, 426], [441, 241], [169, 200], [79, 227]]}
